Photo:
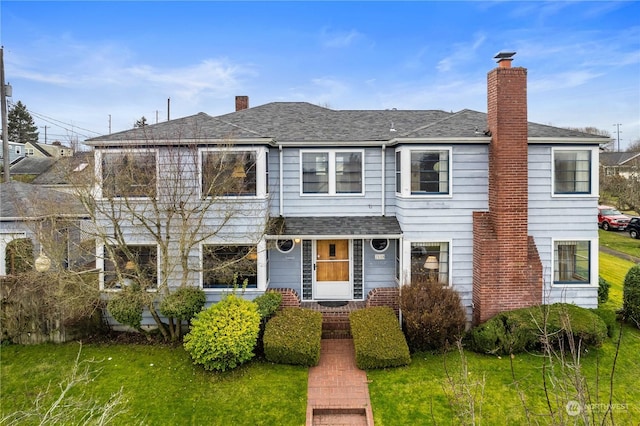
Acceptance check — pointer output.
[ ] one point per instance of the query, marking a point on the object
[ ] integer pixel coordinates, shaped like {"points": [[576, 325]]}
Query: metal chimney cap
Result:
{"points": [[501, 56]]}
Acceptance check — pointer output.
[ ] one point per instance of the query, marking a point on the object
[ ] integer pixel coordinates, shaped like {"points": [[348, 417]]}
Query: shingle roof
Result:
{"points": [[25, 200], [32, 165], [617, 158], [334, 225], [304, 122]]}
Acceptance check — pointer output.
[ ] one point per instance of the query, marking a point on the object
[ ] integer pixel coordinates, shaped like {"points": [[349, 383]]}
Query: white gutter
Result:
{"points": [[281, 180], [383, 189]]}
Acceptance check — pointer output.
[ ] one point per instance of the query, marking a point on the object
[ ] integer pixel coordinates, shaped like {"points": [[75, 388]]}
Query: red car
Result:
{"points": [[610, 218]]}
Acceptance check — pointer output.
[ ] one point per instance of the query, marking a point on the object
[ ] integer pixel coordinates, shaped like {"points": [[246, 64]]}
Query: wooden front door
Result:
{"points": [[333, 270]]}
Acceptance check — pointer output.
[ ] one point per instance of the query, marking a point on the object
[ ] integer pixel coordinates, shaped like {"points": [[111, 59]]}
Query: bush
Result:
{"points": [[126, 307], [432, 314], [631, 296], [183, 304], [224, 336], [603, 290], [268, 303], [378, 340], [609, 317], [522, 329], [293, 336]]}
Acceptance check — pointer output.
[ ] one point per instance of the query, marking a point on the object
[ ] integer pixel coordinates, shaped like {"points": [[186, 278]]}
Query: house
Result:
{"points": [[55, 149], [349, 205], [16, 151], [625, 164]]}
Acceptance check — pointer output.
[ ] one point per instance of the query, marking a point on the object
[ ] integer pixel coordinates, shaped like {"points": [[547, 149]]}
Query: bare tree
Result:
{"points": [[155, 208]]}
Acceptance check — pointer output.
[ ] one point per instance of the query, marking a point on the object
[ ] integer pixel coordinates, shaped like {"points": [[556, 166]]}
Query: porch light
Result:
{"points": [[130, 266], [43, 263]]}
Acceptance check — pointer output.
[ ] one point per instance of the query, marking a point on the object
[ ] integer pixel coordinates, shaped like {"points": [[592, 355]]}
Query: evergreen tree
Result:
{"points": [[20, 125], [141, 123]]}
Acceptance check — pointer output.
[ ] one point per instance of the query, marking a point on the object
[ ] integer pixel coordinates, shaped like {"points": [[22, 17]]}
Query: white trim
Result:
{"points": [[261, 154], [405, 259], [376, 250], [331, 172], [349, 283], [405, 171], [261, 264], [101, 255], [594, 172], [593, 263], [293, 245]]}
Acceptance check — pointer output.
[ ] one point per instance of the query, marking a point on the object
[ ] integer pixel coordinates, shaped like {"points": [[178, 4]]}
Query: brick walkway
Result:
{"points": [[337, 392]]}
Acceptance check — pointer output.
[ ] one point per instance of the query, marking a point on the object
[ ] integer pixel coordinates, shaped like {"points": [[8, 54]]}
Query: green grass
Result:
{"points": [[613, 269], [161, 384], [620, 241]]}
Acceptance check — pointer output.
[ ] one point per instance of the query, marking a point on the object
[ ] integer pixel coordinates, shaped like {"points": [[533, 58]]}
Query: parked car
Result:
{"points": [[634, 227], [610, 218]]}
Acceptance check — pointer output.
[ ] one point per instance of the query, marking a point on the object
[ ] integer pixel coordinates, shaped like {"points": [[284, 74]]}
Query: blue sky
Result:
{"points": [[76, 63]]}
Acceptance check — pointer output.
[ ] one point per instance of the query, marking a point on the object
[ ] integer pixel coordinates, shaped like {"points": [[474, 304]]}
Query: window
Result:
{"points": [[571, 262], [398, 266], [430, 262], [429, 172], [229, 173], [229, 266], [131, 265], [379, 244], [129, 174], [285, 246], [28, 152], [333, 172], [398, 172], [572, 172]]}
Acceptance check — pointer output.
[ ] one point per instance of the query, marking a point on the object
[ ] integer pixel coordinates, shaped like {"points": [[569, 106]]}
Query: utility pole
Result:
{"points": [[109, 123], [617, 126], [168, 109], [45, 134], [5, 131]]}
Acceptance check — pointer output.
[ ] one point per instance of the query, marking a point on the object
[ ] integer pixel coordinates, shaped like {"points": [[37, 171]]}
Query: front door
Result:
{"points": [[333, 270]]}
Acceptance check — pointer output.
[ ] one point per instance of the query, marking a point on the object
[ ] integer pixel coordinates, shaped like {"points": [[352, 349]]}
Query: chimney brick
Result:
{"points": [[242, 102]]}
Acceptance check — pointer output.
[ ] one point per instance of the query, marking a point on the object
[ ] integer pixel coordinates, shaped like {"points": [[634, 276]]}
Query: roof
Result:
{"points": [[303, 122], [23, 200], [336, 225], [618, 158], [32, 165], [68, 170]]}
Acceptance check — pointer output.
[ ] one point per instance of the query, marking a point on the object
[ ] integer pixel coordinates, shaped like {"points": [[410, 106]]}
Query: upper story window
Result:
{"points": [[332, 172], [229, 173], [131, 265], [423, 172], [572, 261], [572, 172], [129, 174], [29, 152]]}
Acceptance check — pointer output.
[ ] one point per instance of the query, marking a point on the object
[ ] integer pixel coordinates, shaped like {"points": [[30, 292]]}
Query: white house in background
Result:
{"points": [[361, 202]]}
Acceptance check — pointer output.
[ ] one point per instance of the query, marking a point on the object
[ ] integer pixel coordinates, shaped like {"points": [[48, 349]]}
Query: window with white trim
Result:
{"points": [[572, 262], [430, 261], [229, 173], [229, 266], [423, 171], [572, 171], [131, 265], [129, 174], [332, 172]]}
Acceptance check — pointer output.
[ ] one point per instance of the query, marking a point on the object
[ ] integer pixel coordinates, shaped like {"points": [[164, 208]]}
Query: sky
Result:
{"points": [[87, 68]]}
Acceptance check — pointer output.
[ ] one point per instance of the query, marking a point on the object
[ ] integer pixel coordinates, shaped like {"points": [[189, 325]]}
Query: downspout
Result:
{"points": [[281, 183], [383, 189]]}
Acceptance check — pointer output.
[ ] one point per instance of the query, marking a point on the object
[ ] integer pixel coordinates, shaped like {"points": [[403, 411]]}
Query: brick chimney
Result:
{"points": [[507, 273], [242, 102]]}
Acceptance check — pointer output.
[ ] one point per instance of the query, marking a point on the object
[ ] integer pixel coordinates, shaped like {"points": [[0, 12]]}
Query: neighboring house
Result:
{"points": [[39, 150], [362, 202], [16, 151], [49, 220], [67, 173], [26, 169], [625, 164]]}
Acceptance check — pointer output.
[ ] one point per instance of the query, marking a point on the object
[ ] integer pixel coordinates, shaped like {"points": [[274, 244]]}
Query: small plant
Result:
{"points": [[224, 335], [293, 336], [377, 338], [603, 290], [183, 304], [268, 304], [433, 315], [126, 307], [631, 296]]}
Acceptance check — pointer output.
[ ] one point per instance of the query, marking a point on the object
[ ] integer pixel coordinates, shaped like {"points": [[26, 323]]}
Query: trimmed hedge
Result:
{"points": [[184, 303], [126, 307], [293, 336], [520, 330], [268, 304], [378, 339], [224, 335], [631, 296], [603, 290]]}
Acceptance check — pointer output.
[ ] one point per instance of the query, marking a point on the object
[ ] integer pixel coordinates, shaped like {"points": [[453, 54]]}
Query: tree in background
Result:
{"points": [[20, 124], [635, 146], [141, 123], [609, 146]]}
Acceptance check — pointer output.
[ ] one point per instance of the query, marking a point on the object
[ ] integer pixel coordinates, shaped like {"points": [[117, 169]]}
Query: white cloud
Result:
{"points": [[462, 53], [339, 39]]}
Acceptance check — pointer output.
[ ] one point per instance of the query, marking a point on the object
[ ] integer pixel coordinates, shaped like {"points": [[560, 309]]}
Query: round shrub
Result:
{"points": [[224, 335], [603, 290], [126, 307], [268, 304], [433, 316], [183, 304], [631, 296]]}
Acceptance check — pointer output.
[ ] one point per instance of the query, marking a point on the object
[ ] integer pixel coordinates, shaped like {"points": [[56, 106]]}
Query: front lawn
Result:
{"points": [[160, 384], [620, 241]]}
